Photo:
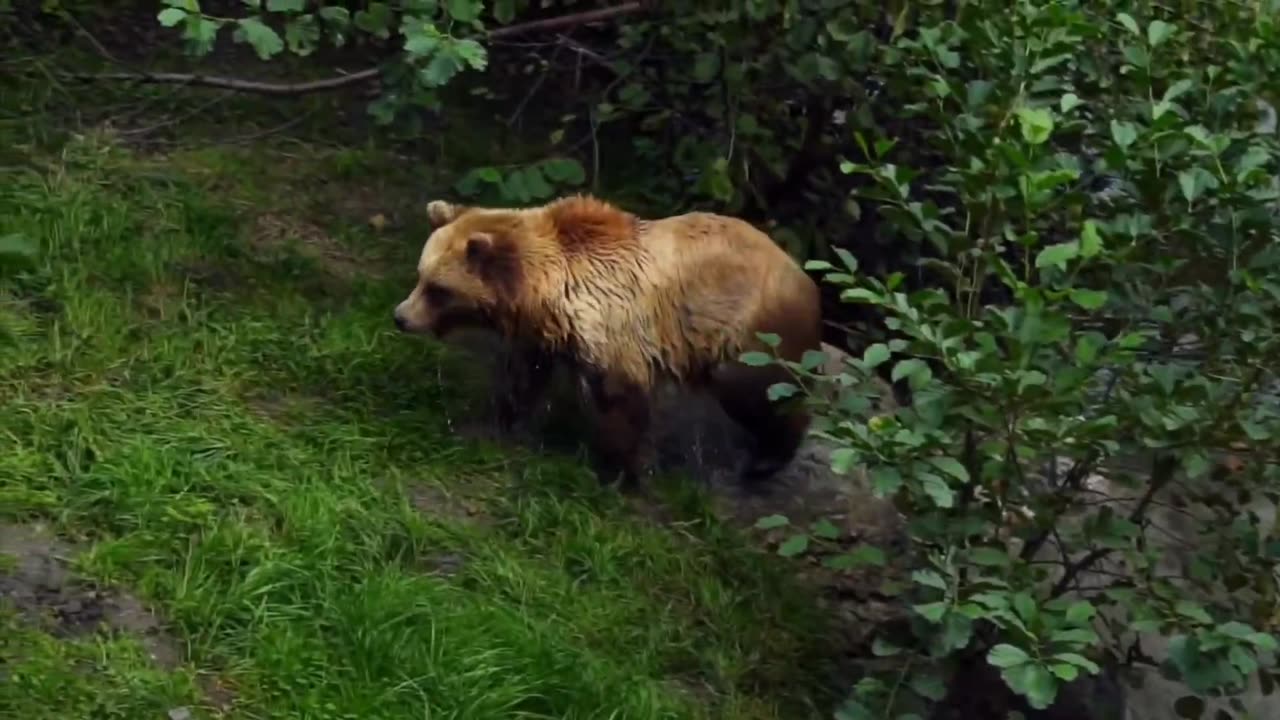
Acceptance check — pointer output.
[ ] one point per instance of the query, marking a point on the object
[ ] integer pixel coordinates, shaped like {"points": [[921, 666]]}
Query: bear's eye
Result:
{"points": [[438, 294]]}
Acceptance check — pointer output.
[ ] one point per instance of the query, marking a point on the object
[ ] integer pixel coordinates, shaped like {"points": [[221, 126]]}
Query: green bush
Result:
{"points": [[1060, 446]]}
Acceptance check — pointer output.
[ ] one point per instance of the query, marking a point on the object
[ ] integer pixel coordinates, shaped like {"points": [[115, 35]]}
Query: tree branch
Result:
{"points": [[334, 83], [1162, 471]]}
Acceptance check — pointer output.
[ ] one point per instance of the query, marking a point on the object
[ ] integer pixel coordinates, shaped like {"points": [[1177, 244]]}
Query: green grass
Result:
{"points": [[234, 433]]}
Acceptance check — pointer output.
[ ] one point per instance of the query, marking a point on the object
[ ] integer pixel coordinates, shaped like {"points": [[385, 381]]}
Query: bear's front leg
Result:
{"points": [[523, 375], [621, 409]]}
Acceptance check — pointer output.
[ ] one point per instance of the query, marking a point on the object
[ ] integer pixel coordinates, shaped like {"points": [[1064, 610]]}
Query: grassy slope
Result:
{"points": [[232, 430]]}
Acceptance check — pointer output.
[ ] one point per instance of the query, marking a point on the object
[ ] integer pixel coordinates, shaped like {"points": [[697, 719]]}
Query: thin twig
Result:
{"points": [[1162, 470], [102, 49], [177, 119], [533, 89]]}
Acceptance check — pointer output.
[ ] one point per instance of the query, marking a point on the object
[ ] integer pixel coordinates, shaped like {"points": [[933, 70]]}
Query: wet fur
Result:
{"points": [[628, 301]]}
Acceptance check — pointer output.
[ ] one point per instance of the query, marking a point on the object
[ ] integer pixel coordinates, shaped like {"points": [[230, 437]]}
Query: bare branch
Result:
{"points": [[366, 75], [570, 20], [249, 86]]}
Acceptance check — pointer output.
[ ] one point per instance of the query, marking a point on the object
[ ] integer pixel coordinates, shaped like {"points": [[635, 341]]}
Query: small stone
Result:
{"points": [[180, 713]]}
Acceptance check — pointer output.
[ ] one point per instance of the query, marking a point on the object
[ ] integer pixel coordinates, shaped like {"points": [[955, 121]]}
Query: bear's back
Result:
{"points": [[712, 280]]}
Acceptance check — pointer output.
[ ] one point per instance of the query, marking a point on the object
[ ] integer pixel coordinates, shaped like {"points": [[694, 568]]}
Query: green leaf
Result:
{"points": [[1129, 23], [706, 67], [1174, 91], [286, 5], [1192, 610], [812, 360], [472, 53], [422, 43], [846, 257], [927, 684], [771, 522], [539, 188], [564, 170], [951, 467], [989, 557], [874, 355], [1158, 31], [339, 17], [938, 489], [1036, 124], [778, 391], [1264, 641], [859, 294], [265, 42], [842, 460], [171, 16], [825, 529], [504, 11], [1036, 683], [302, 35], [1058, 255], [1090, 239], [957, 630], [885, 480], [1065, 671], [883, 648], [773, 340], [1080, 612], [375, 20], [1123, 133], [1025, 606], [794, 545], [863, 555], [755, 359], [932, 612], [464, 11], [1007, 656], [1194, 182], [1083, 636], [1242, 660], [929, 578], [1088, 299], [1079, 661], [907, 368], [817, 265], [1069, 102], [445, 63]]}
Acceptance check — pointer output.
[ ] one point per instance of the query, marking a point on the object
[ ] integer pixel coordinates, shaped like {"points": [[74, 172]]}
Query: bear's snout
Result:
{"points": [[406, 318]]}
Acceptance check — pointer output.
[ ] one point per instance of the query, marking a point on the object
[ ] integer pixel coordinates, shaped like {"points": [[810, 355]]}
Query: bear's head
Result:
{"points": [[469, 270]]}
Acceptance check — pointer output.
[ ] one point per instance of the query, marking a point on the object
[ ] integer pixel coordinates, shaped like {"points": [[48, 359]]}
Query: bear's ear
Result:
{"points": [[442, 213], [493, 259], [479, 247]]}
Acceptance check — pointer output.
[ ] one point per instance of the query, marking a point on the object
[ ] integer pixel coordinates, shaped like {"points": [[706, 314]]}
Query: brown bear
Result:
{"points": [[626, 302]]}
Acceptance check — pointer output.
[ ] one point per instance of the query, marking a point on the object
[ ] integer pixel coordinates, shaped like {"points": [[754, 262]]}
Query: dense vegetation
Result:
{"points": [[1050, 223]]}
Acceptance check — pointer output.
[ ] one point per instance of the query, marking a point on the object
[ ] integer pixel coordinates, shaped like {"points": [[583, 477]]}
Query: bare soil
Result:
{"points": [[39, 585]]}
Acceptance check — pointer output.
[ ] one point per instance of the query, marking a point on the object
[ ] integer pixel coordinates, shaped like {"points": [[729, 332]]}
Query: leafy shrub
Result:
{"points": [[1108, 173]]}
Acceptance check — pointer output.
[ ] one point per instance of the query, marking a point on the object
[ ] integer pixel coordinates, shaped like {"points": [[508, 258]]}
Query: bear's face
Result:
{"points": [[467, 271]]}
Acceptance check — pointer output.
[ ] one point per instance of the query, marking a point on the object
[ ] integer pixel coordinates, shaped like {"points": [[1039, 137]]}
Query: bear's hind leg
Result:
{"points": [[776, 430]]}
